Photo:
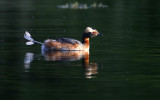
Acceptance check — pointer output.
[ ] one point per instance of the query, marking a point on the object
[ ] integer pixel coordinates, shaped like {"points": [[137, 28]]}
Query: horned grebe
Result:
{"points": [[65, 44]]}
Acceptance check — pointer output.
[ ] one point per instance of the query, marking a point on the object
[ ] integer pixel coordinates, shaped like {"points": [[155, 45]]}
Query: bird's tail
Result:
{"points": [[28, 37]]}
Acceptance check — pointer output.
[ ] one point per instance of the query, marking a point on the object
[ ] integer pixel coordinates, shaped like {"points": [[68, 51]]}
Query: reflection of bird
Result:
{"points": [[64, 55], [65, 44], [89, 68]]}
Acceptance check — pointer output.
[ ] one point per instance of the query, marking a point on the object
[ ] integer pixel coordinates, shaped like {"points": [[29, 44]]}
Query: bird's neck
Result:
{"points": [[85, 42]]}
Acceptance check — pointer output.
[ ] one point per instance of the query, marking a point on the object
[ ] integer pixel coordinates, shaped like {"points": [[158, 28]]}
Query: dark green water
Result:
{"points": [[125, 62]]}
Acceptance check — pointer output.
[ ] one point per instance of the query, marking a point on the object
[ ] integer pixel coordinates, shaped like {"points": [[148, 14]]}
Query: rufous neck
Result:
{"points": [[86, 44], [85, 41]]}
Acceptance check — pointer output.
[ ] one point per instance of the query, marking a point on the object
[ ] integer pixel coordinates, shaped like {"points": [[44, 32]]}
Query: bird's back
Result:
{"points": [[68, 40], [62, 44]]}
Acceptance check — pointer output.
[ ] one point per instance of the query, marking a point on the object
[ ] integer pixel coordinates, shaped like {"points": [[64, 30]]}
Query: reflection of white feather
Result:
{"points": [[28, 58]]}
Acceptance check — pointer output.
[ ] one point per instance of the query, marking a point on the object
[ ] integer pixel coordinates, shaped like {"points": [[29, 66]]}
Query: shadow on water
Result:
{"points": [[90, 69]]}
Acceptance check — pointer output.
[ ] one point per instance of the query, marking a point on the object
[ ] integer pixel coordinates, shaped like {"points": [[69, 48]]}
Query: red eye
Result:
{"points": [[93, 32]]}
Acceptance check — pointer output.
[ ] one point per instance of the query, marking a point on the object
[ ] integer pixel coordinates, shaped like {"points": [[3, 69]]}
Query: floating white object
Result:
{"points": [[29, 43], [28, 37]]}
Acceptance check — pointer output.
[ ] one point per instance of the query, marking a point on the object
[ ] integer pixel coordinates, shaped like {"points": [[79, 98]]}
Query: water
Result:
{"points": [[121, 65]]}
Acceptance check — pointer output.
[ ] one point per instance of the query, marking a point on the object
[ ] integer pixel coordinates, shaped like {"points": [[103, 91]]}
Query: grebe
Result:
{"points": [[65, 44]]}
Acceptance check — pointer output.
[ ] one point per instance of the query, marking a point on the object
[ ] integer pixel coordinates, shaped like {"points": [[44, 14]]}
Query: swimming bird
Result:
{"points": [[65, 44]]}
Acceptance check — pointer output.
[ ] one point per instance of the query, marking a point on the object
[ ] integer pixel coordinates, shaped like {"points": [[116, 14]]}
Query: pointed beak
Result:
{"points": [[100, 34]]}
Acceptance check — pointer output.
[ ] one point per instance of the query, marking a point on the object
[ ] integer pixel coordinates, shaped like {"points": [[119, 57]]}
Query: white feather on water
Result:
{"points": [[29, 43]]}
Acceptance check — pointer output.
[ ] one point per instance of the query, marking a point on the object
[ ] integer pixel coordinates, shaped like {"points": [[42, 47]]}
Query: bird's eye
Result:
{"points": [[93, 32]]}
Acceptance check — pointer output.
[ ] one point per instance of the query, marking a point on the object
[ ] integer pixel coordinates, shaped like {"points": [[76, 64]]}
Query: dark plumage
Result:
{"points": [[68, 40]]}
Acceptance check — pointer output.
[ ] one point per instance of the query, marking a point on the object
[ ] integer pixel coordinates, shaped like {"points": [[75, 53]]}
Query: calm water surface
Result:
{"points": [[124, 64]]}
